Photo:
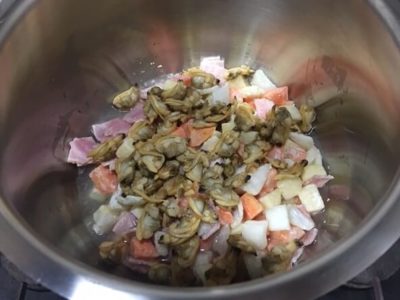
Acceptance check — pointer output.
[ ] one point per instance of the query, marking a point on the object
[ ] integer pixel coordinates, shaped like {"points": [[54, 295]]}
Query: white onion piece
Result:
{"points": [[311, 199], [220, 244], [312, 170], [261, 80], [125, 224], [237, 215], [302, 140], [255, 233], [290, 187], [278, 218], [257, 179], [214, 65], [126, 149], [162, 249], [253, 265], [206, 229], [319, 181], [271, 199], [293, 111], [104, 219], [299, 219], [202, 264], [309, 237], [221, 95]]}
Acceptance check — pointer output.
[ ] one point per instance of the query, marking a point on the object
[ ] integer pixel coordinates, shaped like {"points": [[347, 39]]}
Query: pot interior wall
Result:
{"points": [[63, 62]]}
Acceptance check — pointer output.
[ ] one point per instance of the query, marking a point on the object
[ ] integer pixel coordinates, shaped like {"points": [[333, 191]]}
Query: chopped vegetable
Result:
{"points": [[311, 199], [261, 80], [278, 95], [290, 187], [251, 206], [271, 199], [225, 216], [278, 218], [143, 249], [257, 179], [111, 128], [104, 180], [313, 170], [255, 233], [199, 135]]}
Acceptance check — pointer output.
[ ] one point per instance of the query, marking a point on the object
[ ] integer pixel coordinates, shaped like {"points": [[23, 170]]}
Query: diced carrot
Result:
{"points": [[250, 101], [225, 216], [260, 217], [104, 180], [199, 135], [270, 183], [187, 80], [182, 131], [279, 95], [294, 152], [142, 249], [283, 237], [251, 206]]}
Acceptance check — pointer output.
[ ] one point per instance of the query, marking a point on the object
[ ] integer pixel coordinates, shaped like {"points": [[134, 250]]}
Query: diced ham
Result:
{"points": [[135, 114], [319, 181], [126, 223], [278, 95], [293, 151], [214, 65], [111, 128], [309, 237], [104, 180], [79, 149], [263, 107], [270, 183], [276, 153]]}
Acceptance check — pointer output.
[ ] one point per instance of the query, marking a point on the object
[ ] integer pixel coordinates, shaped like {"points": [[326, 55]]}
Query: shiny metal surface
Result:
{"points": [[61, 61]]}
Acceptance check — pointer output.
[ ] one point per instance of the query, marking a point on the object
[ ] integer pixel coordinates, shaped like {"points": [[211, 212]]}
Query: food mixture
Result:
{"points": [[207, 173]]}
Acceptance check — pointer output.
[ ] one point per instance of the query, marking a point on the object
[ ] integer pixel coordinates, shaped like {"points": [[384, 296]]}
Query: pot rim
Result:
{"points": [[73, 279]]}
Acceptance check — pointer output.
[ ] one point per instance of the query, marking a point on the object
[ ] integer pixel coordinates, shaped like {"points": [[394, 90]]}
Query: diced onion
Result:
{"points": [[255, 233], [278, 218], [261, 80], [257, 179], [312, 170], [311, 199], [104, 219], [289, 187], [302, 140], [299, 219], [271, 199]]}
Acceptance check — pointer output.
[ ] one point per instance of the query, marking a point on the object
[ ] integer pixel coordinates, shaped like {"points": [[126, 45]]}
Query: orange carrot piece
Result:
{"points": [[270, 183], [142, 249], [104, 180], [199, 135], [182, 131], [251, 206], [279, 95], [225, 216]]}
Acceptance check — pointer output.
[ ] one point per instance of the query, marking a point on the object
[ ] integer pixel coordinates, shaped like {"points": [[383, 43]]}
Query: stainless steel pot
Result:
{"points": [[61, 61]]}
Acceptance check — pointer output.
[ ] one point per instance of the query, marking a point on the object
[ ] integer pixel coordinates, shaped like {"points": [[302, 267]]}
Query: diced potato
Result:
{"points": [[311, 198], [271, 199], [289, 187], [278, 218], [313, 170]]}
